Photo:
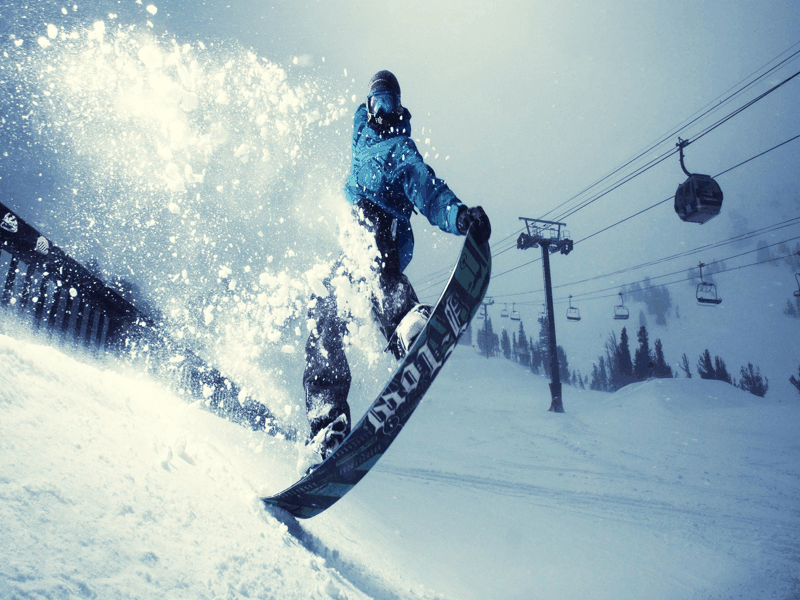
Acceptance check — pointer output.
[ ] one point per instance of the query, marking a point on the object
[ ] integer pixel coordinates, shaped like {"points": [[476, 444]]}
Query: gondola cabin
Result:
{"points": [[698, 199]]}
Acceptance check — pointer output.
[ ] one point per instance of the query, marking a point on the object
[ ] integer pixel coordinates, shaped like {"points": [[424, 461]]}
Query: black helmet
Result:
{"points": [[384, 81]]}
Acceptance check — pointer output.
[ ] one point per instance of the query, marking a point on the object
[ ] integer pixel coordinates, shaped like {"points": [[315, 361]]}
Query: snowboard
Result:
{"points": [[378, 428]]}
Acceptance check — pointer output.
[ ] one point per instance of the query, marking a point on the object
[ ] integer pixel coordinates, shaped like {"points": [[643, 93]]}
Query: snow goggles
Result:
{"points": [[383, 102]]}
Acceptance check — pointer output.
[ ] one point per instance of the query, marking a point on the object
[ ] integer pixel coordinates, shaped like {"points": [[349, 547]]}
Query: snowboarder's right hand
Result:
{"points": [[476, 218]]}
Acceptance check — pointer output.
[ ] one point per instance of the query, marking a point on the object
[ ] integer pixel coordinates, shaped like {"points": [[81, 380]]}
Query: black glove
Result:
{"points": [[474, 217]]}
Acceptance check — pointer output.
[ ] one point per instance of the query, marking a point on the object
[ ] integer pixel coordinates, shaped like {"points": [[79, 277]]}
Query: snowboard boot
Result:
{"points": [[318, 448], [409, 329]]}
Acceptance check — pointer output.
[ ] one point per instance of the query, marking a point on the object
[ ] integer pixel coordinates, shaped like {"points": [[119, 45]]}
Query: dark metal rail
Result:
{"points": [[55, 293]]}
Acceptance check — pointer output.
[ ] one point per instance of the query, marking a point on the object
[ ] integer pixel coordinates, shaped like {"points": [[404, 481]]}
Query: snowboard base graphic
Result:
{"points": [[373, 434]]}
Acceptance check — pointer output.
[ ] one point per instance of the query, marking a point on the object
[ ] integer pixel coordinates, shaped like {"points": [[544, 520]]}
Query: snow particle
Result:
{"points": [[151, 9]]}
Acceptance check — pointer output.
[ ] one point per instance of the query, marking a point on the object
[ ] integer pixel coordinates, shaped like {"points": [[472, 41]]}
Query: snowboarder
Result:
{"points": [[388, 181]]}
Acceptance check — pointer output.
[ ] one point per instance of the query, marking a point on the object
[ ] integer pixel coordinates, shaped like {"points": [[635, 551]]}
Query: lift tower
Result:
{"points": [[551, 237]]}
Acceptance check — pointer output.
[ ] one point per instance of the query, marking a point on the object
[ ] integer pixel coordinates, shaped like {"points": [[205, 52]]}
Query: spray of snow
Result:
{"points": [[210, 180]]}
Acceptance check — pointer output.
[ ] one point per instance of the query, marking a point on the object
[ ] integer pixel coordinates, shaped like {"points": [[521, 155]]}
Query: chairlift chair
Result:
{"points": [[543, 315], [797, 277], [514, 313], [621, 312], [699, 198], [504, 312], [573, 314], [706, 293]]}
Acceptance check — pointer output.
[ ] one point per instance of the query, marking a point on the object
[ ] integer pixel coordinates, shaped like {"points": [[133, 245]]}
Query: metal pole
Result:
{"points": [[555, 377], [8, 288], [41, 301]]}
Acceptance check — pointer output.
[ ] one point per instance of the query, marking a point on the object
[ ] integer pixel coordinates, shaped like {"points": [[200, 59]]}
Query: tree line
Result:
{"points": [[617, 366], [527, 351]]}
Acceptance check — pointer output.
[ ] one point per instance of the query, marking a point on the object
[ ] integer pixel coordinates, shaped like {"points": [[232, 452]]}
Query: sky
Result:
{"points": [[517, 105]]}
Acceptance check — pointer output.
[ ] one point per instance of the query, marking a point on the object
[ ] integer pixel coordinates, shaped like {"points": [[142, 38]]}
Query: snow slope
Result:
{"points": [[112, 486]]}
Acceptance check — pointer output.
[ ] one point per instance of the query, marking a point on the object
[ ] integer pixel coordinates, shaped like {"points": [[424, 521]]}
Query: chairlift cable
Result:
{"points": [[670, 197], [656, 161], [438, 274], [704, 248], [641, 211], [652, 164], [668, 283], [616, 287], [756, 156], [663, 157], [674, 131], [742, 108]]}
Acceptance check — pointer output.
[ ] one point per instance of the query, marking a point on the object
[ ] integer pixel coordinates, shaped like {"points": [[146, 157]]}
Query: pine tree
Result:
{"points": [[486, 338], [662, 369], [466, 337], [685, 366], [537, 357], [505, 343], [753, 382], [563, 365], [643, 361], [659, 303], [605, 385], [624, 362], [595, 383], [705, 368], [795, 381], [544, 332], [580, 381], [721, 371], [524, 348], [614, 379], [514, 348]]}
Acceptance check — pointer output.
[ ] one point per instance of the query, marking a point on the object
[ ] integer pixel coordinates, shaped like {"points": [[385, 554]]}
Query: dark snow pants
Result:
{"points": [[327, 375]]}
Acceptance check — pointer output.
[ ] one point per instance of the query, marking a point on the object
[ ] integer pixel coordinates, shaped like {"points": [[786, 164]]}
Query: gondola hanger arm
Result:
{"points": [[681, 145]]}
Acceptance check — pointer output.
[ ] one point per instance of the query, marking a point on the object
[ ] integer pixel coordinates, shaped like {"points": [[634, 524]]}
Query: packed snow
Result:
{"points": [[112, 486]]}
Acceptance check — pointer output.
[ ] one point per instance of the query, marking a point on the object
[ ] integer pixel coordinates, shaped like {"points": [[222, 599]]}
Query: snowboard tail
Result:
{"points": [[377, 429]]}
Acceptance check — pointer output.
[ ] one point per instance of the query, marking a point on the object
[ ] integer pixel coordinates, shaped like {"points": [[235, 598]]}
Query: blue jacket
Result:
{"points": [[389, 171]]}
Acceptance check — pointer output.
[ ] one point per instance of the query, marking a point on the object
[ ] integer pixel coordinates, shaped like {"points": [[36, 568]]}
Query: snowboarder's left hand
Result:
{"points": [[476, 218]]}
